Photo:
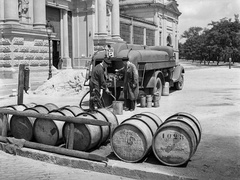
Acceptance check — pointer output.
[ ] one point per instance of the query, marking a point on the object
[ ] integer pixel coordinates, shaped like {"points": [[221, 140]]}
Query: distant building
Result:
{"points": [[151, 22], [80, 27]]}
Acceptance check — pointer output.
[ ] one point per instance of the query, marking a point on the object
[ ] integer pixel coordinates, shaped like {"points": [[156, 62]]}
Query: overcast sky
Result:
{"points": [[201, 12]]}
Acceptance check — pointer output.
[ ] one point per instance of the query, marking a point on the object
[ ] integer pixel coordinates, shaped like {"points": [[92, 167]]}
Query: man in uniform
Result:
{"points": [[98, 82], [131, 87]]}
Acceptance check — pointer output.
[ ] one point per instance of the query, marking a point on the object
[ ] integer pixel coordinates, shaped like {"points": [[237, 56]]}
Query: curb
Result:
{"points": [[112, 167]]}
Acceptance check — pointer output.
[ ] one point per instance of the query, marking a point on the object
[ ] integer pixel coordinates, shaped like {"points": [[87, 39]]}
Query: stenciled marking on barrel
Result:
{"points": [[128, 144], [171, 144]]}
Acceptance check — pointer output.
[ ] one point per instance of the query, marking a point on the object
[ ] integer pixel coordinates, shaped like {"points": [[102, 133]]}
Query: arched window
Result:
{"points": [[169, 40]]}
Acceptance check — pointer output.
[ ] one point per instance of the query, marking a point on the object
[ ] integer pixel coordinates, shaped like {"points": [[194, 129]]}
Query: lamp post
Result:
{"points": [[49, 33]]}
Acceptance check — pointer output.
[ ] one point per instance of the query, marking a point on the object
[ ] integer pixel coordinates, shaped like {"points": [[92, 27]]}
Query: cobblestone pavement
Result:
{"points": [[20, 168]]}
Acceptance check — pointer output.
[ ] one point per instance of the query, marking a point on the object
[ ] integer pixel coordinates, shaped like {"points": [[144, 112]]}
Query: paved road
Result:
{"points": [[211, 93], [20, 168]]}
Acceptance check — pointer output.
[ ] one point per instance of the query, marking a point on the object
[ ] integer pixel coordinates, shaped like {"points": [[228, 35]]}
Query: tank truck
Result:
{"points": [[156, 66]]}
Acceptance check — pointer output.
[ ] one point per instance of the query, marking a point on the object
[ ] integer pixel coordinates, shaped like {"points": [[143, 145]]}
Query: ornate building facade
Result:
{"points": [[80, 27]]}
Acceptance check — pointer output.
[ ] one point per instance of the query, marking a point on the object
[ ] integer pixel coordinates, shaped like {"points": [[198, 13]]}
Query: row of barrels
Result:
{"points": [[54, 132], [173, 141]]}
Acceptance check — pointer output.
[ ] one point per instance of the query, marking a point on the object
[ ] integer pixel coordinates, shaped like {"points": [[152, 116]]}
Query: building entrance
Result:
{"points": [[53, 16], [57, 59]]}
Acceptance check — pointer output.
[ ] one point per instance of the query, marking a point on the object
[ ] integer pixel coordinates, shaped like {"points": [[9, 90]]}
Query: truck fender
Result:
{"points": [[149, 80], [178, 70]]}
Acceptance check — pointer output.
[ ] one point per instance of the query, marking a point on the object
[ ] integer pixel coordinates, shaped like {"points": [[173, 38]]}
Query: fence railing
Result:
{"points": [[70, 139]]}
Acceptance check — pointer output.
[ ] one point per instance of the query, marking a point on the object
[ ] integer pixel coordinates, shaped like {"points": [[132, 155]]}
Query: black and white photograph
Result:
{"points": [[120, 89]]}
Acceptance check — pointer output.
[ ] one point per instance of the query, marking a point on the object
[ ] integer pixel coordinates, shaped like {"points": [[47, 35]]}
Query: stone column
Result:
{"points": [[66, 59], [131, 31], [115, 20], [102, 21], [164, 31], [1, 11], [144, 36], [156, 22], [39, 14], [61, 32], [174, 35], [11, 12]]}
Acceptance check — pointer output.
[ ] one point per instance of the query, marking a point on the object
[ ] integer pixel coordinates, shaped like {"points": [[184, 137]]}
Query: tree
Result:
{"points": [[190, 49], [191, 32], [219, 42], [223, 38]]}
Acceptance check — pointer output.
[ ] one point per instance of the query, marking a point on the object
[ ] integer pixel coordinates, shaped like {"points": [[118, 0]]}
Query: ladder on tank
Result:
{"points": [[141, 73]]}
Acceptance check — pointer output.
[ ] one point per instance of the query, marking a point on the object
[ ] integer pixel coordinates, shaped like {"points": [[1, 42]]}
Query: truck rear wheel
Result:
{"points": [[158, 87], [179, 85]]}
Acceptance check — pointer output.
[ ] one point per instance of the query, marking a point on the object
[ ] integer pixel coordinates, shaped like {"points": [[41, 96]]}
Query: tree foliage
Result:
{"points": [[192, 31], [219, 43]]}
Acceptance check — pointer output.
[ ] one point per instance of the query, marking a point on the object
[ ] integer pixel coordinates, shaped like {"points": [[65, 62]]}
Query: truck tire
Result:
{"points": [[158, 87], [179, 85]]}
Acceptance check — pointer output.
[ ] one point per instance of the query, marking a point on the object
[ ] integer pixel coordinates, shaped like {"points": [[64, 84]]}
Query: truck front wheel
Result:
{"points": [[179, 85]]}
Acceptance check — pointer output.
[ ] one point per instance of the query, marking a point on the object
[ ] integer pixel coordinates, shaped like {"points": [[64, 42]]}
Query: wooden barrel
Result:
{"points": [[51, 106], [41, 108], [191, 120], [156, 118], [30, 105], [150, 119], [50, 131], [110, 116], [105, 129], [8, 117], [132, 139], [86, 136], [74, 109], [19, 107], [22, 126], [176, 140]]}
